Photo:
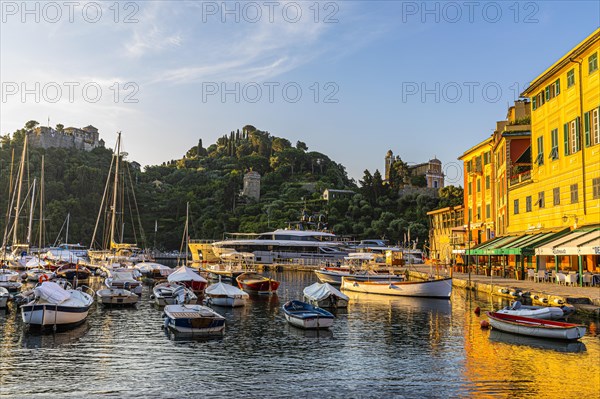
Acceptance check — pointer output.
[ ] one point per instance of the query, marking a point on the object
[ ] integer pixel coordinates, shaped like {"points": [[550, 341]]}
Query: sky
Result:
{"points": [[351, 79]]}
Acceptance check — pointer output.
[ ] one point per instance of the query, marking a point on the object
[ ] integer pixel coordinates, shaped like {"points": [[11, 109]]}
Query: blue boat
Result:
{"points": [[305, 315], [193, 319]]}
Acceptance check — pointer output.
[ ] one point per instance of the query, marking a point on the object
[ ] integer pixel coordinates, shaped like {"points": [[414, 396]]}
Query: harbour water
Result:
{"points": [[379, 347]]}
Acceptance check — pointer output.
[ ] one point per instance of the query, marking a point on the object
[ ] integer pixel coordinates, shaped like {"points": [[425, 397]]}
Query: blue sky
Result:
{"points": [[201, 69]]}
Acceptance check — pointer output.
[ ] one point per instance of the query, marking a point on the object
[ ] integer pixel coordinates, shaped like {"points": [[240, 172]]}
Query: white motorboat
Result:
{"points": [[54, 306], [437, 288], [152, 270], [39, 275], [117, 296], [124, 280], [4, 296], [193, 319], [537, 312], [221, 294], [9, 279], [536, 327], [305, 315], [325, 296], [171, 294]]}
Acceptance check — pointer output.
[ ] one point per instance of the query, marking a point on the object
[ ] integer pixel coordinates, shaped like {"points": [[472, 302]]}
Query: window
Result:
{"points": [[487, 157], [541, 202], [557, 86], [487, 211], [571, 78], [487, 182], [469, 188], [478, 185], [540, 151], [593, 63], [554, 138], [469, 166], [478, 213], [528, 203], [516, 207], [574, 194], [596, 188], [591, 127], [534, 103], [552, 90], [478, 167], [470, 214], [571, 136], [556, 196]]}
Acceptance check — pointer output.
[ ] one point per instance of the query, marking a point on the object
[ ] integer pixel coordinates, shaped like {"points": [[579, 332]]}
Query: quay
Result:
{"points": [[585, 299]]}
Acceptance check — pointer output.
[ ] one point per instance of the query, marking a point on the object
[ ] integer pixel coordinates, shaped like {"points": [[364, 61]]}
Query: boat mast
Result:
{"points": [[67, 231], [115, 191], [41, 206], [9, 208], [20, 185], [29, 226]]}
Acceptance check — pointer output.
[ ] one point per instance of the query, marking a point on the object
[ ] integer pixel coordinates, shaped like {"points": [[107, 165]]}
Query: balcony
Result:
{"points": [[520, 178]]}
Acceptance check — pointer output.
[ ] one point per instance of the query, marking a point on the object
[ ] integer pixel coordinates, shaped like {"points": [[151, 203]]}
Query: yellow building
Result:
{"points": [[446, 233], [479, 192], [564, 190]]}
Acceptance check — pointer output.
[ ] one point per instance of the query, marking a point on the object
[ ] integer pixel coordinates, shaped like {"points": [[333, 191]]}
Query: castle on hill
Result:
{"points": [[430, 170], [86, 138]]}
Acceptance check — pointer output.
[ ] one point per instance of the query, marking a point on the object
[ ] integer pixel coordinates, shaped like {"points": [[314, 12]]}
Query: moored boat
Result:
{"points": [[193, 319], [325, 296], [221, 294], [71, 271], [334, 275], [436, 288], [537, 312], [536, 327], [255, 283], [124, 280], [4, 296], [305, 315], [54, 306], [188, 277], [170, 294], [117, 296]]}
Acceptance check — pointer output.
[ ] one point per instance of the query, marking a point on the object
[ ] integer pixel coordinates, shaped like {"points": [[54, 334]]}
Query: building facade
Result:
{"points": [[252, 185], [431, 170], [86, 138], [446, 233]]}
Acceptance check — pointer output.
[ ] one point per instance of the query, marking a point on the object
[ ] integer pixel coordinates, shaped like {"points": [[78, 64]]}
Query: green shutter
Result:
{"points": [[577, 140], [566, 136], [586, 128], [534, 102], [557, 86]]}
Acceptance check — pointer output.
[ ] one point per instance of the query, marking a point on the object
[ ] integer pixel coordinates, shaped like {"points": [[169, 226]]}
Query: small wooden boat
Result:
{"points": [[325, 296], [71, 271], [193, 319], [255, 283], [536, 327], [537, 312], [39, 275], [305, 315], [54, 306], [124, 280], [4, 296], [152, 270], [438, 288], [334, 275], [221, 294], [171, 294], [188, 277], [117, 296]]}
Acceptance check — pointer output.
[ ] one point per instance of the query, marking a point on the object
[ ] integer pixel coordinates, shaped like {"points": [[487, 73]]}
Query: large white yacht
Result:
{"points": [[285, 245]]}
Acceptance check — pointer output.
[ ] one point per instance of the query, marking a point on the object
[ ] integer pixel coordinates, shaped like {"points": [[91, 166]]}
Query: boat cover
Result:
{"points": [[225, 289], [125, 277], [51, 292], [147, 267], [184, 273], [319, 292], [35, 262]]}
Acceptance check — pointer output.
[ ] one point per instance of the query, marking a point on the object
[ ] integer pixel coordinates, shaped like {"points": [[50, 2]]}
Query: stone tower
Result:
{"points": [[252, 185]]}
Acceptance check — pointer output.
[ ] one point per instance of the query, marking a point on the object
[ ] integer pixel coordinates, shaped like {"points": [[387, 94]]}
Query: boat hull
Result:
{"points": [[332, 302], [441, 288], [43, 315], [307, 316], [117, 297], [314, 322], [257, 284], [193, 319], [536, 327], [334, 277], [227, 301]]}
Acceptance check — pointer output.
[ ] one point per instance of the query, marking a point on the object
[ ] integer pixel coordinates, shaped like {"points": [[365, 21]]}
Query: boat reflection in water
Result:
{"points": [[187, 337], [304, 333], [441, 306], [32, 338], [540, 343]]}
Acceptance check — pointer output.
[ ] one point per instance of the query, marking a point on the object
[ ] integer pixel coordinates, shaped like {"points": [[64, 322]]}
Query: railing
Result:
{"points": [[520, 178]]}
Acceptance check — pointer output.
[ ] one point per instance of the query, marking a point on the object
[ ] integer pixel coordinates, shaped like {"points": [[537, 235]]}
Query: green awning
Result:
{"points": [[516, 245]]}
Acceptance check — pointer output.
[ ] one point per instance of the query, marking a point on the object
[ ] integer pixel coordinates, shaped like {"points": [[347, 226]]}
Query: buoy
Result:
{"points": [[477, 311], [484, 324]]}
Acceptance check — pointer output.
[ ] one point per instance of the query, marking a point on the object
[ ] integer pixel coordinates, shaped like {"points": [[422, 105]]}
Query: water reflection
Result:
{"points": [[555, 345], [378, 347]]}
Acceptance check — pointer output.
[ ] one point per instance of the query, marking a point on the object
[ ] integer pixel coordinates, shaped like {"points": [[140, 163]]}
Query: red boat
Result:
{"points": [[188, 277], [255, 283]]}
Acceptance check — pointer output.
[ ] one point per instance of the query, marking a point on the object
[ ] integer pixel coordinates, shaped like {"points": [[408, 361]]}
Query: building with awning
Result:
{"points": [[584, 241]]}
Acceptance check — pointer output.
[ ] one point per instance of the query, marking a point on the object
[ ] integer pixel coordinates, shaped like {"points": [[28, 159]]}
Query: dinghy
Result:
{"points": [[193, 319], [305, 315], [537, 312], [4, 296], [170, 294], [255, 283], [536, 327], [117, 296], [438, 288], [221, 294], [325, 296]]}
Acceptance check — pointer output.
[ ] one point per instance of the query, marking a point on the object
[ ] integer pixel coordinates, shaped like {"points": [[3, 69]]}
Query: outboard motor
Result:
{"points": [[516, 305]]}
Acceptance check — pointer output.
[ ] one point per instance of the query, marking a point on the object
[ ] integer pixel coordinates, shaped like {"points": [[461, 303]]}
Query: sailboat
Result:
{"points": [[113, 254]]}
